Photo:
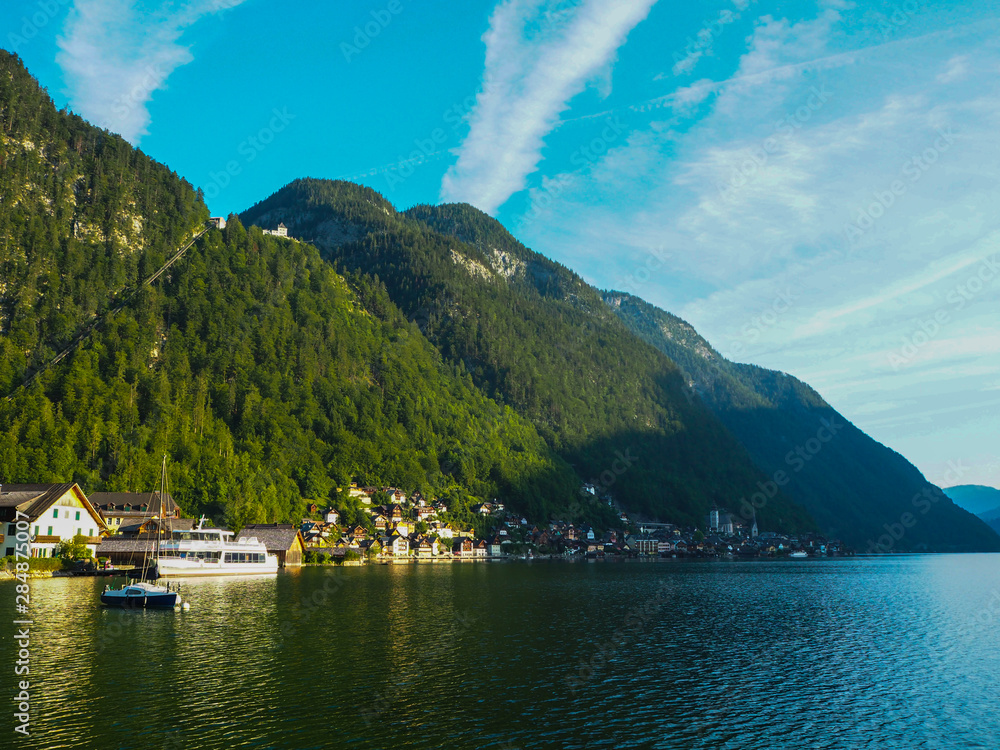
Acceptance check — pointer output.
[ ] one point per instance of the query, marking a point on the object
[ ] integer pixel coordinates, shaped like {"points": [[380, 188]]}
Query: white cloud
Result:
{"points": [[750, 190], [536, 62], [955, 70], [115, 55]]}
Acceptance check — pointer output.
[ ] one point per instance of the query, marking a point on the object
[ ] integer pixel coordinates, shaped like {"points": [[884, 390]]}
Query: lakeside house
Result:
{"points": [[281, 539], [125, 509], [55, 513]]}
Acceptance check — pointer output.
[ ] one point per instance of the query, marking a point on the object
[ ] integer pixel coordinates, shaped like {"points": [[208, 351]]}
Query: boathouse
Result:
{"points": [[281, 539]]}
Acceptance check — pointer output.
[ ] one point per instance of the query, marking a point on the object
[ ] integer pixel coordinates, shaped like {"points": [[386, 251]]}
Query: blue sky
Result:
{"points": [[811, 184]]}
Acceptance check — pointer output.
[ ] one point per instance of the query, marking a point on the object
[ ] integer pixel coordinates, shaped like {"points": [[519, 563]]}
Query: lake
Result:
{"points": [[898, 652]]}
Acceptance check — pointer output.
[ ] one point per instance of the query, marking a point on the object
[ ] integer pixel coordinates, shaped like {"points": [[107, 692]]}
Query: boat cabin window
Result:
{"points": [[245, 557]]}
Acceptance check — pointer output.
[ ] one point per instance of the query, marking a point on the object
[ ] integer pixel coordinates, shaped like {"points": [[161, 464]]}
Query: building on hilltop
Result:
{"points": [[281, 231]]}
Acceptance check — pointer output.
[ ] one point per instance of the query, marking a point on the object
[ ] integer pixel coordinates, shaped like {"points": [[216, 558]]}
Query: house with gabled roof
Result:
{"points": [[54, 513], [281, 539], [128, 508], [396, 545], [463, 547]]}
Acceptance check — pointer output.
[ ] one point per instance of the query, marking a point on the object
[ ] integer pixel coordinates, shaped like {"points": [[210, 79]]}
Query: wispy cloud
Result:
{"points": [[116, 53], [750, 182], [539, 55]]}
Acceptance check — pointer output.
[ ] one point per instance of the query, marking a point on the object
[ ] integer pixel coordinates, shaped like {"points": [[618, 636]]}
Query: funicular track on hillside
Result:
{"points": [[93, 325]]}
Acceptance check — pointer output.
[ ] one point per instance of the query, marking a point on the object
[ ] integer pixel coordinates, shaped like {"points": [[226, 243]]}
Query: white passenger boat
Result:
{"points": [[213, 552]]}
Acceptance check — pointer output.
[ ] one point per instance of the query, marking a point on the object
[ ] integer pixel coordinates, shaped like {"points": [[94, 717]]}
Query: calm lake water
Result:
{"points": [[858, 653]]}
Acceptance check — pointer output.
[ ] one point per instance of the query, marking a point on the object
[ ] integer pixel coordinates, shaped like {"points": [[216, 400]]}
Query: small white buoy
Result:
{"points": [[185, 606]]}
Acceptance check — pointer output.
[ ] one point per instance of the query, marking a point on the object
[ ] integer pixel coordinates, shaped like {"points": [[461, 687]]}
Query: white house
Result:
{"points": [[54, 513], [281, 231]]}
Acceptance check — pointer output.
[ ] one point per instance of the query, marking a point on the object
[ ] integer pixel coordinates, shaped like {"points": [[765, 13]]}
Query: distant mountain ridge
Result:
{"points": [[979, 499], [855, 487]]}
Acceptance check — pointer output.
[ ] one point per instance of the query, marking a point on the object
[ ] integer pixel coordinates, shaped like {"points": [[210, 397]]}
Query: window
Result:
{"points": [[55, 513], [36, 531], [12, 529], [50, 531], [78, 515]]}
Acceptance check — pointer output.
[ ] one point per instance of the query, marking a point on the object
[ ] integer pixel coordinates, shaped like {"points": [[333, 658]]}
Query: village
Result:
{"points": [[120, 528]]}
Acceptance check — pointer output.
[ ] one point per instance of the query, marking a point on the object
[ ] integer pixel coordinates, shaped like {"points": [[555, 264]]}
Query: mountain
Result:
{"points": [[979, 499], [532, 335], [268, 378], [855, 487]]}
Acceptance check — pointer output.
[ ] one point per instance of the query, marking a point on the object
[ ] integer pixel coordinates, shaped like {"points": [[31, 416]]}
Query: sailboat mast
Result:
{"points": [[159, 524]]}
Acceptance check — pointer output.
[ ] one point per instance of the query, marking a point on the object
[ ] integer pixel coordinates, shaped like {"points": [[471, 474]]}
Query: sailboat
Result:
{"points": [[140, 594]]}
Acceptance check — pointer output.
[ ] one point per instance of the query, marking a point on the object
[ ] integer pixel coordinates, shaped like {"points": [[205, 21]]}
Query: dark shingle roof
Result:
{"points": [[32, 499], [115, 502], [35, 499], [125, 544], [277, 537]]}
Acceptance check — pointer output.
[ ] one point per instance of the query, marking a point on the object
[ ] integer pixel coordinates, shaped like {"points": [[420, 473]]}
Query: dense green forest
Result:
{"points": [[852, 485], [83, 217], [266, 377], [427, 349], [532, 335]]}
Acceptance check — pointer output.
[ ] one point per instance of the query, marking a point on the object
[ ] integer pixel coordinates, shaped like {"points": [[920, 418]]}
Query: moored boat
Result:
{"points": [[139, 594], [213, 552]]}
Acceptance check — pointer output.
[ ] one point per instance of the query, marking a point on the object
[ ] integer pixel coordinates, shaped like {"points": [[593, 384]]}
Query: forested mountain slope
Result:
{"points": [[852, 485], [265, 376], [533, 335]]}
